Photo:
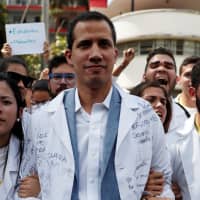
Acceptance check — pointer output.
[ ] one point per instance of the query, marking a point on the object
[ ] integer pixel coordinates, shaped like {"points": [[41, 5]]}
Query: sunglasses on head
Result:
{"points": [[27, 81]]}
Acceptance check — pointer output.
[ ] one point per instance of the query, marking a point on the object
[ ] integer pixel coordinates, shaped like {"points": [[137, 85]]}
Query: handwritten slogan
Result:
{"points": [[27, 38]]}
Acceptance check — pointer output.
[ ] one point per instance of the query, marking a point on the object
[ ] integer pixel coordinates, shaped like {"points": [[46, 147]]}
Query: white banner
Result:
{"points": [[26, 38]]}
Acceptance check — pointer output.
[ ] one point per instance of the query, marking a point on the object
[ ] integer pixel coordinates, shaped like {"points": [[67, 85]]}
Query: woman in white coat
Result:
{"points": [[11, 142], [158, 98]]}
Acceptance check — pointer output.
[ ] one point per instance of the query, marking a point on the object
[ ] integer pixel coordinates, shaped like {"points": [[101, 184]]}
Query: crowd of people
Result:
{"points": [[74, 133]]}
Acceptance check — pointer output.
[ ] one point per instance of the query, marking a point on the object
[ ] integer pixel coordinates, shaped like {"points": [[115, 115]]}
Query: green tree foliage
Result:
{"points": [[34, 63], [59, 46]]}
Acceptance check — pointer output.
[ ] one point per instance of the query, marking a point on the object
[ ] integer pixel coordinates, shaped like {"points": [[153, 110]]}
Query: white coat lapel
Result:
{"points": [[59, 122], [12, 167], [127, 119], [190, 152], [185, 144]]}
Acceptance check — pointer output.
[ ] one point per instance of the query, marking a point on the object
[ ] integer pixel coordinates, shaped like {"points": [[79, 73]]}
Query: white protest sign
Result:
{"points": [[27, 38]]}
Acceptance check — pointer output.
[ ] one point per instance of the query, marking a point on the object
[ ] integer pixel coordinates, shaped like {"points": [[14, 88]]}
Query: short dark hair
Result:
{"points": [[88, 16], [56, 61], [139, 89], [187, 61], [41, 85], [162, 51], [195, 75], [12, 60]]}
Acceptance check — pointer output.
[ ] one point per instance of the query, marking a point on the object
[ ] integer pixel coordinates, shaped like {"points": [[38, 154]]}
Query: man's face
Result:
{"points": [[157, 99], [59, 82], [39, 96], [93, 54], [161, 68], [184, 80]]}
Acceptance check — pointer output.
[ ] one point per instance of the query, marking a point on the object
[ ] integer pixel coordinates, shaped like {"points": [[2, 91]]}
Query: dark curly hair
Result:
{"points": [[17, 128], [138, 91]]}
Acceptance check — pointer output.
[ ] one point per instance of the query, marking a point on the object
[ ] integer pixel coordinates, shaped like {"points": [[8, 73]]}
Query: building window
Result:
{"points": [[16, 19], [37, 19], [22, 2], [197, 49], [36, 2], [125, 46], [146, 46], [179, 47], [189, 47], [170, 44], [159, 43]]}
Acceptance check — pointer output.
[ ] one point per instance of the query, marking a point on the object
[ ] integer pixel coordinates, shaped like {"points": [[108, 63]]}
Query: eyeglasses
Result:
{"points": [[166, 64], [27, 81], [59, 76]]}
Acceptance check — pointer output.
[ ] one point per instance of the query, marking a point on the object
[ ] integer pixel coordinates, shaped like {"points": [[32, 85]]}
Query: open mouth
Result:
{"points": [[159, 114], [162, 81]]}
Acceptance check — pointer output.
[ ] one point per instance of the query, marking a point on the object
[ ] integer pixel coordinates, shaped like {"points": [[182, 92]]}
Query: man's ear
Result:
{"points": [[144, 77], [68, 55], [116, 53], [192, 91]]}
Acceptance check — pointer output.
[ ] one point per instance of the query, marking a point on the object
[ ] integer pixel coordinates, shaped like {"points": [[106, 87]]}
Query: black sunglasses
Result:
{"points": [[27, 81]]}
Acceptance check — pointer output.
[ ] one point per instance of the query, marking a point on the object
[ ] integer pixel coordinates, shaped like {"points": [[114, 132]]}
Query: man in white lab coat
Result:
{"points": [[161, 67], [95, 142], [186, 153]]}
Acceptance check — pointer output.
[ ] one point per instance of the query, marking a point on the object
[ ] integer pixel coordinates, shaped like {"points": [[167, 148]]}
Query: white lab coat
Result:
{"points": [[7, 189], [140, 146], [185, 156], [178, 118]]}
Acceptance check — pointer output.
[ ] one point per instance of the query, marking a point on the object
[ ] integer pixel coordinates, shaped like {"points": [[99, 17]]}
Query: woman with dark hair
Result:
{"points": [[11, 137], [157, 97]]}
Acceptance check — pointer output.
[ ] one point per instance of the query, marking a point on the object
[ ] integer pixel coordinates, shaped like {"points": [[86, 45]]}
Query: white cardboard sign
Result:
{"points": [[27, 38]]}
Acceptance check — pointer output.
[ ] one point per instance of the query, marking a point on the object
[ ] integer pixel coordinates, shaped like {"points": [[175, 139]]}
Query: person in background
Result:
{"points": [[44, 74], [97, 141], [186, 152], [128, 55], [61, 75], [11, 60], [40, 92], [161, 67], [156, 95], [6, 51], [184, 81], [11, 141], [18, 71]]}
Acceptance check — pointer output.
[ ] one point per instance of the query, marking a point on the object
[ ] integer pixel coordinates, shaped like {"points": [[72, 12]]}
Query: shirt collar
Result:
{"points": [[106, 101]]}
